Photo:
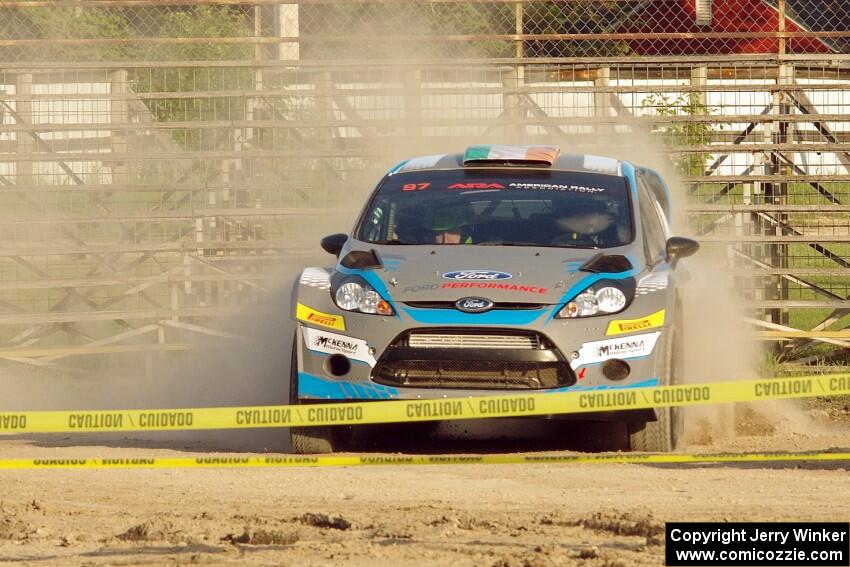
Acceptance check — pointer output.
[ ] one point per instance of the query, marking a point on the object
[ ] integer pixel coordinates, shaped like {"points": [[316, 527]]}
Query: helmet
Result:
{"points": [[586, 216], [445, 218], [580, 206]]}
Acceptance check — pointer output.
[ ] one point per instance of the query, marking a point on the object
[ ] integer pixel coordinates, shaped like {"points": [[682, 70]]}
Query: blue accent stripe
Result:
{"points": [[310, 386], [397, 166], [649, 383], [455, 317]]}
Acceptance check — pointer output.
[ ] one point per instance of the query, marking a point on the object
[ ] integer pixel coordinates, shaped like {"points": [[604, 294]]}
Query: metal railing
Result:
{"points": [[154, 155]]}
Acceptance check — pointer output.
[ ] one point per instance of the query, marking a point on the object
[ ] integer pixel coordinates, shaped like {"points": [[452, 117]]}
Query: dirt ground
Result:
{"points": [[591, 515]]}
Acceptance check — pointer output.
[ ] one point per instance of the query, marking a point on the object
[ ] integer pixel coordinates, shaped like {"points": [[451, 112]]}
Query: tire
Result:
{"points": [[663, 435], [312, 440]]}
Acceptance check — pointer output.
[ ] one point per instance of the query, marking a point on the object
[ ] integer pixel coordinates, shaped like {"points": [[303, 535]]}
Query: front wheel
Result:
{"points": [[312, 440], [663, 435]]}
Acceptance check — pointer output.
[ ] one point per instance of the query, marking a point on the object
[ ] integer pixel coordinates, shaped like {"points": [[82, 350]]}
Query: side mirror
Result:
{"points": [[333, 244], [679, 247]]}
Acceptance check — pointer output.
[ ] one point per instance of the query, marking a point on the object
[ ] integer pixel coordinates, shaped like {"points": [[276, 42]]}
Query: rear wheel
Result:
{"points": [[663, 435], [312, 440]]}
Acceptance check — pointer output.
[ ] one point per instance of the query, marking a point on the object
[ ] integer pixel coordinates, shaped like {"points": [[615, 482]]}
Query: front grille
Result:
{"points": [[454, 340], [473, 374], [499, 305], [472, 359]]}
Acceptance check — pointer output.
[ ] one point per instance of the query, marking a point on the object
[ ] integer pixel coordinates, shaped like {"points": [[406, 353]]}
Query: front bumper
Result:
{"points": [[380, 364]]}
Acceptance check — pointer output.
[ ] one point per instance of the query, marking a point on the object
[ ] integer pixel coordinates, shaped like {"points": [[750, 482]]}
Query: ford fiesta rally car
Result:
{"points": [[502, 269]]}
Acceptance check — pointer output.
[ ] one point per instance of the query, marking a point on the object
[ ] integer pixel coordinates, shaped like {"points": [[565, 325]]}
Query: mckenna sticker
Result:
{"points": [[626, 347], [332, 343]]}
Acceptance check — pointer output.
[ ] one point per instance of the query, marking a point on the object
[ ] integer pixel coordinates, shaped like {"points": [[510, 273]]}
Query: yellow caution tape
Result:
{"points": [[366, 460], [513, 405]]}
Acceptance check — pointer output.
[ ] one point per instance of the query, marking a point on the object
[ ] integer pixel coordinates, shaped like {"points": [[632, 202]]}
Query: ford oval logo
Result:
{"points": [[477, 275], [474, 304]]}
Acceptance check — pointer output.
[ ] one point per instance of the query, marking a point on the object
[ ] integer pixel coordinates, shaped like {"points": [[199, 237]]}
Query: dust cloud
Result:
{"points": [[254, 369]]}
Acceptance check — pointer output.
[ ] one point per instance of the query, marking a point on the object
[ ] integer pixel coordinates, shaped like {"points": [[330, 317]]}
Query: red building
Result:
{"points": [[733, 17]]}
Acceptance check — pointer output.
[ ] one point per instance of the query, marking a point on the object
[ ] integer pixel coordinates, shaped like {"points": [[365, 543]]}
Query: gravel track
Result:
{"points": [[542, 514]]}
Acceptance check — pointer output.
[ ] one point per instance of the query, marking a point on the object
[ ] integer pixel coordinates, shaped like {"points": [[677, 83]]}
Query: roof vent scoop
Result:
{"points": [[605, 263], [508, 155]]}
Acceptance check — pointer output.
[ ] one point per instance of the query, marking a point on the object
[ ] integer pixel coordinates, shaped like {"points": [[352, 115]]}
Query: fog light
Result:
{"points": [[383, 308], [337, 365], [616, 369]]}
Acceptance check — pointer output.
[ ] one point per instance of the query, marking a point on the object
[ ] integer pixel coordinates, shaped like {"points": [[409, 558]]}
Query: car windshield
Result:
{"points": [[500, 207]]}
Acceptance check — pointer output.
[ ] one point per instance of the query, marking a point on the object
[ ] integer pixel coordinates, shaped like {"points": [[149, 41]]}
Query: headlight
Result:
{"points": [[602, 298], [356, 295], [349, 296]]}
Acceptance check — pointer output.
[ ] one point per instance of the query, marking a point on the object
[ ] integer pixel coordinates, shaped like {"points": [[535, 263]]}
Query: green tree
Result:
{"points": [[683, 133]]}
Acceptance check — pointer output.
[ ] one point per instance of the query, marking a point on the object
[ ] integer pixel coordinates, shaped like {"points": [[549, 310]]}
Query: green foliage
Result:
{"points": [[198, 21], [683, 133], [66, 22], [576, 18]]}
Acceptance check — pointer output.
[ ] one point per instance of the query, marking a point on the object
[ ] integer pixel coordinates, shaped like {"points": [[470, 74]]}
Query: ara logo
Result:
{"points": [[477, 275], [474, 304], [476, 186]]}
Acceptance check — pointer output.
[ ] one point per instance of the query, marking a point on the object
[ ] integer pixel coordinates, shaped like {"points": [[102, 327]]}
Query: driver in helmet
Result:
{"points": [[583, 221], [449, 225]]}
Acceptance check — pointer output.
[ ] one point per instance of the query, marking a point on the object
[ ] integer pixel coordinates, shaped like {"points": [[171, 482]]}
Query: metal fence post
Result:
{"points": [[24, 142]]}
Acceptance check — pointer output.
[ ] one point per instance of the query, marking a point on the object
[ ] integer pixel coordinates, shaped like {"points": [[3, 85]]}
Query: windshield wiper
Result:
{"points": [[537, 245], [392, 241], [491, 243]]}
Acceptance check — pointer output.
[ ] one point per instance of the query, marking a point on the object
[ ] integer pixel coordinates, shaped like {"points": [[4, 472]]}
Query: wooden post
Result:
{"points": [[519, 29], [160, 339], [781, 26], [288, 27], [602, 101], [413, 103], [119, 113], [782, 107], [24, 141], [699, 78], [514, 110]]}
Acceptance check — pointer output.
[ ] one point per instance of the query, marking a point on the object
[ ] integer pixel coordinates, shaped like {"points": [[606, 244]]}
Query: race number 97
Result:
{"points": [[415, 186]]}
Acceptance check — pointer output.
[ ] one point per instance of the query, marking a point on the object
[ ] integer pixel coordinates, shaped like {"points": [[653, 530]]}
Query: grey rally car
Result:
{"points": [[502, 269]]}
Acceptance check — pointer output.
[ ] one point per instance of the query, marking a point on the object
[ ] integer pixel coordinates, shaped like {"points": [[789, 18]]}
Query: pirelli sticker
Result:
{"points": [[623, 326], [310, 315]]}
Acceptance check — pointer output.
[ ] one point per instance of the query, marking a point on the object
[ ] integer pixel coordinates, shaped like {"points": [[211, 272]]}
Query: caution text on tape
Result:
{"points": [[390, 411], [369, 460]]}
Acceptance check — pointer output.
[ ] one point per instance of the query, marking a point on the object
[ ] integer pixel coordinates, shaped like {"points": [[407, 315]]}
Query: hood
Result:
{"points": [[515, 274]]}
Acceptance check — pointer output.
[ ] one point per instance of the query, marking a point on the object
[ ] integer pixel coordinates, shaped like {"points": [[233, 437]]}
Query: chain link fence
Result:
{"points": [[321, 30], [159, 161]]}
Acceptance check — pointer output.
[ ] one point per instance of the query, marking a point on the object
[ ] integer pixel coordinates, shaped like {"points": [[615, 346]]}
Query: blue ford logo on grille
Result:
{"points": [[477, 275], [474, 304]]}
